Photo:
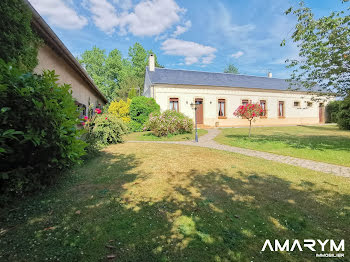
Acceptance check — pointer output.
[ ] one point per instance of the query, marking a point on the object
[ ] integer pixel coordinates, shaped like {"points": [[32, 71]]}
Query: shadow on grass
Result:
{"points": [[212, 216]]}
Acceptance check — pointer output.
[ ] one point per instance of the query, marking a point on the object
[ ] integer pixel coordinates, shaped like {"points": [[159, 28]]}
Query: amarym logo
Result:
{"points": [[313, 245]]}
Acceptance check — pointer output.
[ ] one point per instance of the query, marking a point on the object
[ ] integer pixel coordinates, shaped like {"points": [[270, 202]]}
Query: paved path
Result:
{"points": [[207, 141]]}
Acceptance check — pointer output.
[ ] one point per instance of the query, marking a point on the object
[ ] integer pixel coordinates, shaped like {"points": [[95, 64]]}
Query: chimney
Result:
{"points": [[151, 63], [269, 74]]}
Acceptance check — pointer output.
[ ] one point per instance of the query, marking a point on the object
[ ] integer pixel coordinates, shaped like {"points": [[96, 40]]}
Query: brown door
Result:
{"points": [[321, 113], [199, 111]]}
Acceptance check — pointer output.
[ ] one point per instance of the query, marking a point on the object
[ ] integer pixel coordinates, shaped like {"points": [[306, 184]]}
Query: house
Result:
{"points": [[220, 94], [54, 55]]}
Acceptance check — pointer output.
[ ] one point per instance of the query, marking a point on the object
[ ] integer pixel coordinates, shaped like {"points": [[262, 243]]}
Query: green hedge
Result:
{"points": [[140, 109], [38, 130], [18, 43], [344, 114]]}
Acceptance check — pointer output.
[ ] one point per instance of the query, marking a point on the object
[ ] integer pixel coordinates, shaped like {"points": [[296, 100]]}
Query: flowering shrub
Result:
{"points": [[121, 109], [105, 129], [169, 123], [250, 112]]}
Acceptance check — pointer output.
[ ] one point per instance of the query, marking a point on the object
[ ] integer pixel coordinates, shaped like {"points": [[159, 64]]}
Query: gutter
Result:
{"points": [[44, 30]]}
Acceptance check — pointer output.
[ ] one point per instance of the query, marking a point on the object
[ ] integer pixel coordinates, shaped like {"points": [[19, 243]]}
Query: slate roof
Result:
{"points": [[187, 77]]}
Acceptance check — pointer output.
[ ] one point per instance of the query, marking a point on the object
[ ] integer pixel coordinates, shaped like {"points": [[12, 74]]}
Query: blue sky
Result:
{"points": [[201, 35]]}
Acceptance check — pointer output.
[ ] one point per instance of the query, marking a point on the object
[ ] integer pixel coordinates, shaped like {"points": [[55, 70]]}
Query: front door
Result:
{"points": [[321, 113], [199, 111]]}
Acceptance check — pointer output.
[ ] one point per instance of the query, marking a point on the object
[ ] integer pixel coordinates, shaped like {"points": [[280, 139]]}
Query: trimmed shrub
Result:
{"points": [[121, 109], [106, 129], [135, 126], [344, 114], [169, 123], [38, 130], [18, 43], [332, 110], [140, 109]]}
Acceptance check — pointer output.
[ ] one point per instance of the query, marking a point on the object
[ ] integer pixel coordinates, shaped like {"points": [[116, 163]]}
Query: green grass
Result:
{"points": [[148, 136], [163, 202], [320, 143]]}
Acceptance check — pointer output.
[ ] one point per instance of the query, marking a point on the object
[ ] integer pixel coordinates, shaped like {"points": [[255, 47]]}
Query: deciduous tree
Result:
{"points": [[324, 50]]}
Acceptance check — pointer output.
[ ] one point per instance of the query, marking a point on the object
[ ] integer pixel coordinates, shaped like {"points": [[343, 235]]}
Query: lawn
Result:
{"points": [[148, 136], [320, 143], [176, 203]]}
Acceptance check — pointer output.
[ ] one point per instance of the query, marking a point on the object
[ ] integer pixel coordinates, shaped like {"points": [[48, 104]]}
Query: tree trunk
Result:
{"points": [[250, 127]]}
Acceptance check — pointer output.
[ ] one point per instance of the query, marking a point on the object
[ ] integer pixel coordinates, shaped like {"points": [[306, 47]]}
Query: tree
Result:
{"points": [[324, 53], [104, 70], [231, 69], [249, 112], [139, 59], [114, 75]]}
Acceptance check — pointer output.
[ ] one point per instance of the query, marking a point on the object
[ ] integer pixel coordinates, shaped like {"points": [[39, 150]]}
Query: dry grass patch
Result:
{"points": [[162, 202]]}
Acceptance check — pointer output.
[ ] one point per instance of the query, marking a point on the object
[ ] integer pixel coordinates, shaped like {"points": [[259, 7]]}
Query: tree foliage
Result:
{"points": [[232, 69], [115, 76], [18, 43], [324, 53]]}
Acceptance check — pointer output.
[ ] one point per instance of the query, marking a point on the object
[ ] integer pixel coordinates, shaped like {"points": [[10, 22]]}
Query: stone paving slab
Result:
{"points": [[208, 142]]}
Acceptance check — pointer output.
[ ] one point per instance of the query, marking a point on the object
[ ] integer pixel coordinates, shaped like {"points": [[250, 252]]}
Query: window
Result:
{"points": [[245, 102], [296, 104], [280, 109], [309, 104], [221, 108], [174, 104], [263, 107]]}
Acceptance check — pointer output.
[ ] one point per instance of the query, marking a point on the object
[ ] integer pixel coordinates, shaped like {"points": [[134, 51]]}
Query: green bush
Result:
{"points": [[18, 43], [332, 110], [106, 129], [344, 114], [135, 126], [140, 109], [169, 123], [38, 129]]}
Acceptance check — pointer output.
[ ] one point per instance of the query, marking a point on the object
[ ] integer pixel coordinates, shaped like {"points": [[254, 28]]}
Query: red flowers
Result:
{"points": [[106, 118], [98, 111], [248, 111], [86, 117]]}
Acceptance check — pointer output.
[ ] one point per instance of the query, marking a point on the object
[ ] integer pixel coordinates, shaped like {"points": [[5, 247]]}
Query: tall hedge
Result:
{"points": [[344, 114], [332, 110], [38, 130], [18, 43], [140, 109]]}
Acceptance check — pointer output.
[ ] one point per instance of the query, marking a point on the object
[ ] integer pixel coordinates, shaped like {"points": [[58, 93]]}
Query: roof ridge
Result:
{"points": [[219, 73]]}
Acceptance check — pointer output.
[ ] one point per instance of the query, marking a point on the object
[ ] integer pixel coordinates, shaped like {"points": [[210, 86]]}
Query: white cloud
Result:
{"points": [[148, 18], [104, 15], [182, 29], [237, 54], [193, 52], [123, 4], [59, 13]]}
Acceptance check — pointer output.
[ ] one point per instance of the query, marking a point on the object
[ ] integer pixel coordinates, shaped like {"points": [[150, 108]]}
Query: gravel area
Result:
{"points": [[207, 141]]}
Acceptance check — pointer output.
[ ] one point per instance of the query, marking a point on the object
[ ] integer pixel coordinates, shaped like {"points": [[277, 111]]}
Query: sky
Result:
{"points": [[202, 35]]}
